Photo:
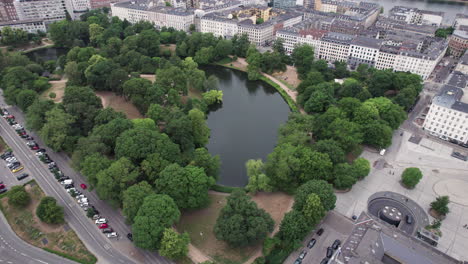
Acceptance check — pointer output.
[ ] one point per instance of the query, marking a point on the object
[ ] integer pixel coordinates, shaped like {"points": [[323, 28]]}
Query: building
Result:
{"points": [[284, 3], [133, 11], [374, 241], [7, 11], [177, 18], [460, 20], [384, 24], [335, 46], [458, 41], [295, 36], [462, 65], [359, 12], [416, 16], [364, 50], [48, 10], [99, 3], [31, 26], [448, 114], [78, 7]]}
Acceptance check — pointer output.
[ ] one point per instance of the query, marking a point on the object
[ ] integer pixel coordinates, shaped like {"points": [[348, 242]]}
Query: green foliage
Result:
{"points": [[187, 186], [157, 213], [319, 187], [56, 128], [444, 32], [13, 36], [440, 205], [332, 149], [52, 95], [241, 222], [213, 97], [18, 197], [92, 165], [174, 245], [313, 209], [303, 56], [258, 181], [294, 227], [25, 98], [49, 212], [133, 198], [203, 159], [411, 177], [200, 130]]}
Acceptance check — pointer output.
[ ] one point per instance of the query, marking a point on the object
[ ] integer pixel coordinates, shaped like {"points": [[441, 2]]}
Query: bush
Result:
{"points": [[18, 197], [440, 205], [411, 177], [52, 95], [49, 212]]}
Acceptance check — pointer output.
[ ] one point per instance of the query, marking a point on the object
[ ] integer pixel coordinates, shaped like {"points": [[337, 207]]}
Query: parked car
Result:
{"points": [[107, 230], [112, 235], [329, 252], [17, 169], [71, 190], [324, 261], [303, 254], [409, 219], [336, 244], [130, 236], [2, 186], [320, 231], [3, 190], [298, 261], [41, 150], [101, 221], [68, 186], [96, 216], [311, 243], [102, 226], [22, 176], [460, 156]]}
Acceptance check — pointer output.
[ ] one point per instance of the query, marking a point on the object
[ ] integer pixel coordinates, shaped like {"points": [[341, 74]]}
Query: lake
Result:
{"points": [[46, 54], [246, 125]]}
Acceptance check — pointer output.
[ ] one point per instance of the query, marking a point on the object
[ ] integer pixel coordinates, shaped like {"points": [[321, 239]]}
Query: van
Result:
{"points": [[382, 152], [67, 182]]}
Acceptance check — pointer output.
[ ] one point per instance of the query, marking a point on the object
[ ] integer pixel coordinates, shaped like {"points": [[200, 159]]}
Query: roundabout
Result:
{"points": [[394, 209]]}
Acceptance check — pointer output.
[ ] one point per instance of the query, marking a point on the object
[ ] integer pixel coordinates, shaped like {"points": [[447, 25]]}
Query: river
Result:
{"points": [[246, 125]]}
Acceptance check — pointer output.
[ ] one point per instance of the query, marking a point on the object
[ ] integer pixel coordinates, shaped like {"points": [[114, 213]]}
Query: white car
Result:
{"points": [[101, 221], [111, 235], [11, 159], [38, 154], [84, 205], [69, 190], [83, 200], [96, 217], [79, 197]]}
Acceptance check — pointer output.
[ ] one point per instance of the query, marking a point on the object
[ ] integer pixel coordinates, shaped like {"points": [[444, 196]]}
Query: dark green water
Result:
{"points": [[246, 125]]}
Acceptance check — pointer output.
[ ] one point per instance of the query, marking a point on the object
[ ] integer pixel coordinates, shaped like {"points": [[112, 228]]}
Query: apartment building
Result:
{"points": [[48, 10], [462, 65], [31, 26], [416, 16], [296, 36], [335, 46], [99, 3], [7, 11], [284, 3], [448, 115], [177, 18], [77, 7], [384, 24], [219, 26], [458, 41], [364, 50], [360, 12]]}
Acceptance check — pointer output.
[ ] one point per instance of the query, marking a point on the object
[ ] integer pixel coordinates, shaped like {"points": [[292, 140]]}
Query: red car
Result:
{"points": [[2, 186], [11, 116], [83, 186], [102, 226], [35, 148]]}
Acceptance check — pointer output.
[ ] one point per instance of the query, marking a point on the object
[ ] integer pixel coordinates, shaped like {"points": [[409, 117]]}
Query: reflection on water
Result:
{"points": [[246, 125]]}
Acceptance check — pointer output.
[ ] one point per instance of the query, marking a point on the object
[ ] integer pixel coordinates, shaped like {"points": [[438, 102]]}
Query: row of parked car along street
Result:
{"points": [[330, 250], [15, 166]]}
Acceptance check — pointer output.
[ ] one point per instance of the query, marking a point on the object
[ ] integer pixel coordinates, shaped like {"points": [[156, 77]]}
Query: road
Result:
{"points": [[107, 251], [13, 250]]}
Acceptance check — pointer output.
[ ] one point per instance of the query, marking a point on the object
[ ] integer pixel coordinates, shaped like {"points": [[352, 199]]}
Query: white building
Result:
{"points": [[335, 46], [416, 16], [448, 115], [292, 37], [177, 18], [78, 7], [133, 11], [220, 27], [48, 10], [31, 26], [364, 50]]}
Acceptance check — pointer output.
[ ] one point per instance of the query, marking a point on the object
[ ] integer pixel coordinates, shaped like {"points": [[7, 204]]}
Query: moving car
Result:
{"points": [[311, 243], [83, 186], [102, 226], [17, 169]]}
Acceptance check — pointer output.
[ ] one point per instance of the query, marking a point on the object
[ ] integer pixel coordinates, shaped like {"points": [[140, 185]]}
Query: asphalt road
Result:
{"points": [[13, 250], [113, 251]]}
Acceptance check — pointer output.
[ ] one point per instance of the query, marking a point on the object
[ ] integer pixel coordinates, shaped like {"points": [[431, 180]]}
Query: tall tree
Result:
{"points": [[56, 128], [258, 181], [49, 212], [303, 57], [323, 189], [174, 245], [200, 130], [133, 198]]}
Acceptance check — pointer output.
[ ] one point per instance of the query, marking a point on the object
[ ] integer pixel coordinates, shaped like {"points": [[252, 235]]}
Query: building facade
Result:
{"points": [[177, 18], [31, 26], [133, 11], [458, 41], [48, 10], [416, 16], [7, 11]]}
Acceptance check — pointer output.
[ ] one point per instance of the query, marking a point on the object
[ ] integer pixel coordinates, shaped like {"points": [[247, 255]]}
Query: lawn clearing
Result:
{"points": [[289, 77], [3, 145], [53, 238], [58, 87], [119, 104], [200, 223]]}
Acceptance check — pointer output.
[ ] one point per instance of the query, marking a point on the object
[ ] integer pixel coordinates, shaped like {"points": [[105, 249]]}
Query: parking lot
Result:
{"points": [[335, 226]]}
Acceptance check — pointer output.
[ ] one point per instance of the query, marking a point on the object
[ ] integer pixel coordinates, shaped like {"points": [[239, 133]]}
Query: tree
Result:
{"points": [[203, 159], [293, 228], [222, 49], [109, 132], [347, 134], [204, 55], [213, 97], [25, 98], [444, 32], [303, 57], [440, 205], [254, 58], [18, 197], [92, 165], [133, 198], [323, 189], [240, 45], [258, 181], [241, 223], [157, 212], [95, 33], [332, 149], [114, 180], [313, 209], [56, 128], [49, 212], [188, 186], [201, 132], [411, 177], [377, 134], [174, 245], [344, 178], [360, 168]]}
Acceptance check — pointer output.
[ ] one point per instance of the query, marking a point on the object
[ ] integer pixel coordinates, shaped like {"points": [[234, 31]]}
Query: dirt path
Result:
{"points": [[241, 63], [196, 255]]}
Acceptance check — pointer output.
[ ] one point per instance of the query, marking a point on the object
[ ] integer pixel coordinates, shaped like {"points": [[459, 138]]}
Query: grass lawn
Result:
{"points": [[57, 239], [3, 145], [200, 223], [119, 104]]}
